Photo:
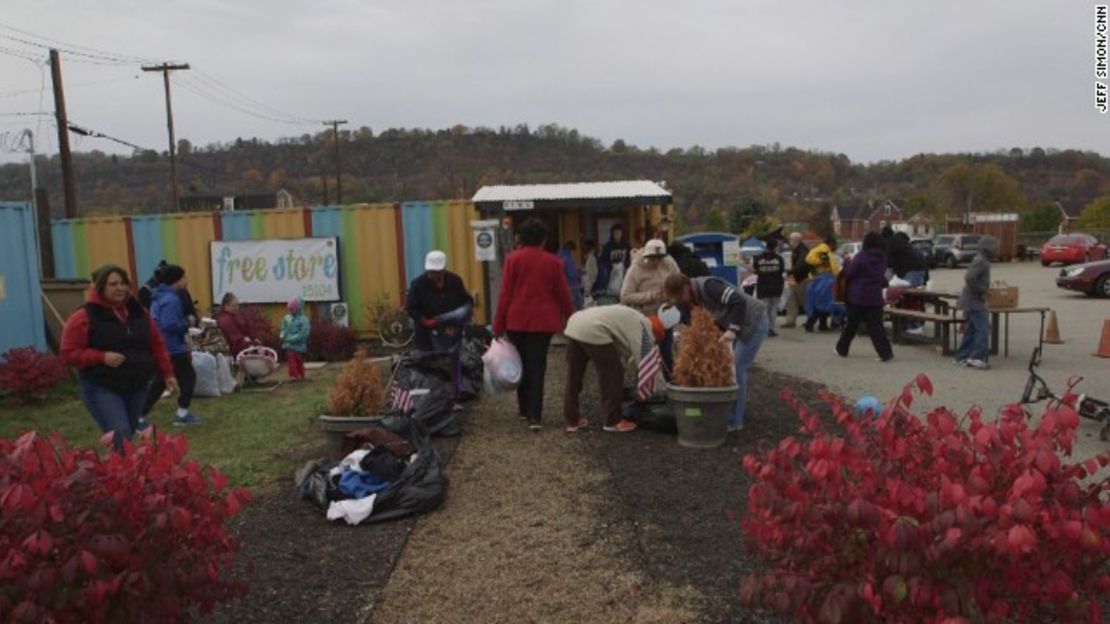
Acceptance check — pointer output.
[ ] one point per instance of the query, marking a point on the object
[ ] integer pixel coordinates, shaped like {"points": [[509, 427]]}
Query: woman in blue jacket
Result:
{"points": [[169, 314]]}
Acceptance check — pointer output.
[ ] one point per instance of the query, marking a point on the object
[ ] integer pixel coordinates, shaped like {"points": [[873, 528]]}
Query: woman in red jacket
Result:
{"points": [[534, 305], [117, 349], [232, 326]]}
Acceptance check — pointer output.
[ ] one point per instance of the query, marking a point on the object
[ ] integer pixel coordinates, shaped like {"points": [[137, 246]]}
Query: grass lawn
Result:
{"points": [[253, 437]]}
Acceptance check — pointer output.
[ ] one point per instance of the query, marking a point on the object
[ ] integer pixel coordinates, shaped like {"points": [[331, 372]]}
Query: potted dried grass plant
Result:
{"points": [[704, 390], [355, 401]]}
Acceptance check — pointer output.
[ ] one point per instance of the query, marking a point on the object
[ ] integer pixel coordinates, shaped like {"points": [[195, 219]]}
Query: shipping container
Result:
{"points": [[21, 320]]}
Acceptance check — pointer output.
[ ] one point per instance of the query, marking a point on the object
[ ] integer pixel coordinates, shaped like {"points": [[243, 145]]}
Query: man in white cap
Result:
{"points": [[437, 300], [610, 336], [643, 287]]}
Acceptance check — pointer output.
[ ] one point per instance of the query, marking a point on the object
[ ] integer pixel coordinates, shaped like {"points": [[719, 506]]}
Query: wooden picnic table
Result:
{"points": [[940, 300]]}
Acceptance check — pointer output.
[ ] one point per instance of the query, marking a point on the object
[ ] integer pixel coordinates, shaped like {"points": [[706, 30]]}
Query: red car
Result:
{"points": [[1072, 249], [1092, 278]]}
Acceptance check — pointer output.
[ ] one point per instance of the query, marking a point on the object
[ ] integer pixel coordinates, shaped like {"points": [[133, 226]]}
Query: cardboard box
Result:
{"points": [[1002, 296]]}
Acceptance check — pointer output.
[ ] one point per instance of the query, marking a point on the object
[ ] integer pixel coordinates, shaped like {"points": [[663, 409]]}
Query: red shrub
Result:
{"points": [[27, 374], [260, 327], [330, 342], [926, 520], [120, 538]]}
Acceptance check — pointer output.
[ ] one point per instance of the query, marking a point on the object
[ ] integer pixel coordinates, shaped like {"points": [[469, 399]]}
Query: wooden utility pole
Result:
{"points": [[335, 123], [166, 68], [63, 135]]}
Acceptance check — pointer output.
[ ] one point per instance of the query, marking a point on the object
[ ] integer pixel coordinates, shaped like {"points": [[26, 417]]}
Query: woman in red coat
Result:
{"points": [[534, 305], [232, 326]]}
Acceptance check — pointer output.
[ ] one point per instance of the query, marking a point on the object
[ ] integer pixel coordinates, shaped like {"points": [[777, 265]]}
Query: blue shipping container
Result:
{"points": [[21, 321]]}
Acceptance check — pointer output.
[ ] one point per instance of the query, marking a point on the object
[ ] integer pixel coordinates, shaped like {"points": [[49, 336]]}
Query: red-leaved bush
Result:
{"points": [[260, 327], [138, 536], [902, 519], [27, 374], [329, 342]]}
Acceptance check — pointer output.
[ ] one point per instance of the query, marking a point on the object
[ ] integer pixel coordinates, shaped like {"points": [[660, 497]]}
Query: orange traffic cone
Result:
{"points": [[1052, 330], [1104, 343]]}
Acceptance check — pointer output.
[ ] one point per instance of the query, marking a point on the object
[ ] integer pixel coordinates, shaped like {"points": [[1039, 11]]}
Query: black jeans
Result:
{"points": [[186, 379], [533, 356], [873, 317]]}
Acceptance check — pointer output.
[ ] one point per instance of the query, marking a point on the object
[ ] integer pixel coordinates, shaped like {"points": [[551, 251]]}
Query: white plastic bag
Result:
{"points": [[503, 368], [898, 282], [616, 280], [208, 381], [223, 373]]}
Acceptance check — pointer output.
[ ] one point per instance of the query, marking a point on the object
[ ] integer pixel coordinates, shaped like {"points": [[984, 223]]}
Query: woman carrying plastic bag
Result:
{"points": [[503, 368]]}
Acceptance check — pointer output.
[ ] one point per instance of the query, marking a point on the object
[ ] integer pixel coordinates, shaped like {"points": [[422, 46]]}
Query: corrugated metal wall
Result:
{"points": [[82, 245], [381, 246], [369, 251], [445, 226], [21, 320]]}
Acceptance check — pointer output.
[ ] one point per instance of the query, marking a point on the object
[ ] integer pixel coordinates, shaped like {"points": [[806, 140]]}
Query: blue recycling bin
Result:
{"points": [[710, 247]]}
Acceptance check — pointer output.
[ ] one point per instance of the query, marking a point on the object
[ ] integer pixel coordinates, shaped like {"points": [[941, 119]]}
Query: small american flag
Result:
{"points": [[649, 369], [402, 399]]}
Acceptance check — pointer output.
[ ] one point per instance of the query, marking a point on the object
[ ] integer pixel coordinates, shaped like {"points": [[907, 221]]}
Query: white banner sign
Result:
{"points": [[518, 204], [484, 237], [276, 270]]}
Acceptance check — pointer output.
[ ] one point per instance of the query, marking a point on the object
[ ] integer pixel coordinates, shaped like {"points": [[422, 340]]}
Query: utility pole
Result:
{"points": [[166, 68], [63, 135], [335, 123], [43, 239]]}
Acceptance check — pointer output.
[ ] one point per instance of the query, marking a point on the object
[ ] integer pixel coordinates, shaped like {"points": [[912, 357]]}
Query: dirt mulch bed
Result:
{"points": [[536, 528], [303, 568], [680, 499]]}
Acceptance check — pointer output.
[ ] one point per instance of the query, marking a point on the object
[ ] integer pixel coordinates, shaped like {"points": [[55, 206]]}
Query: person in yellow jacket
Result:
{"points": [[823, 257], [825, 266]]}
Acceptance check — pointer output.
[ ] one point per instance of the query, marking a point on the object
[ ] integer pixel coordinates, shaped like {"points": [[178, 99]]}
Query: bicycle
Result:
{"points": [[1037, 390]]}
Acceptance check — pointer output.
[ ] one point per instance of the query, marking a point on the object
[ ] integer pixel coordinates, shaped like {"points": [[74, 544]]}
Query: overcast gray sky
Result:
{"points": [[872, 79]]}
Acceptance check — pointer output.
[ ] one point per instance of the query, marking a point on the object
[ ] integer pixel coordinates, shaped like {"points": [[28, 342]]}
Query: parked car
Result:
{"points": [[952, 250], [1092, 278], [848, 249], [924, 248], [1072, 249]]}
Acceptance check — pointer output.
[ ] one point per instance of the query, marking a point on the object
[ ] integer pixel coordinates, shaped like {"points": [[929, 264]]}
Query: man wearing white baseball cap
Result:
{"points": [[433, 297], [610, 336]]}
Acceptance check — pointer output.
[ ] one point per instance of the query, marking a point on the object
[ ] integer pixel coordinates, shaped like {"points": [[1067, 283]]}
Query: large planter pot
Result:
{"points": [[702, 414], [336, 427]]}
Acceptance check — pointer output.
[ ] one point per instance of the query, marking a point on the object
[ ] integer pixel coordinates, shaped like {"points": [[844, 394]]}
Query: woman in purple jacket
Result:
{"points": [[866, 276]]}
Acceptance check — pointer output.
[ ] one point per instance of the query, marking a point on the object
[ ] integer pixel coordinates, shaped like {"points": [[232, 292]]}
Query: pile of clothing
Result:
{"points": [[388, 471]]}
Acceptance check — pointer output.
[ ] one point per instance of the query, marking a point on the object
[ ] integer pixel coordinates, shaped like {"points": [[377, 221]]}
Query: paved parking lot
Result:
{"points": [[1080, 318]]}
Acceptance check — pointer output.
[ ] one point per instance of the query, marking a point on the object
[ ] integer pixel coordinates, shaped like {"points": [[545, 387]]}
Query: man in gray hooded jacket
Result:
{"points": [[742, 319], [975, 346]]}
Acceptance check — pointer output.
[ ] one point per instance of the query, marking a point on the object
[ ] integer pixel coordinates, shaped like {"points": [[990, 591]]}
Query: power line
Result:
{"points": [[206, 93], [56, 43], [224, 88], [75, 50], [81, 130]]}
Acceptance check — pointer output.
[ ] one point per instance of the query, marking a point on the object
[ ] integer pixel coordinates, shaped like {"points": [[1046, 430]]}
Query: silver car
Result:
{"points": [[952, 250]]}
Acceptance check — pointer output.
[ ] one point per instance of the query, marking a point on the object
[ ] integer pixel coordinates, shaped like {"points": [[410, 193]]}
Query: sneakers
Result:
{"points": [[735, 428], [916, 331], [582, 424], [457, 407], [535, 427], [884, 360], [979, 364], [142, 425], [624, 426], [187, 420], [959, 362]]}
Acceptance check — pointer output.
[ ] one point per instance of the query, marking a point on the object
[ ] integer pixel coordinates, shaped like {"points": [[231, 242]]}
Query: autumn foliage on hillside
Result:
{"points": [[703, 361]]}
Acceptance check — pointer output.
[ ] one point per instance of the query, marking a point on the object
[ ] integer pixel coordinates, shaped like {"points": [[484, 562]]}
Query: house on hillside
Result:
{"points": [[920, 225], [853, 222], [242, 201], [1069, 214]]}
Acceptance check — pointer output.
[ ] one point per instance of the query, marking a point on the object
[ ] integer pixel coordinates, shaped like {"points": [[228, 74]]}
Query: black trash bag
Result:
{"points": [[419, 369], [316, 485], [470, 385], [421, 487], [655, 414], [435, 412]]}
